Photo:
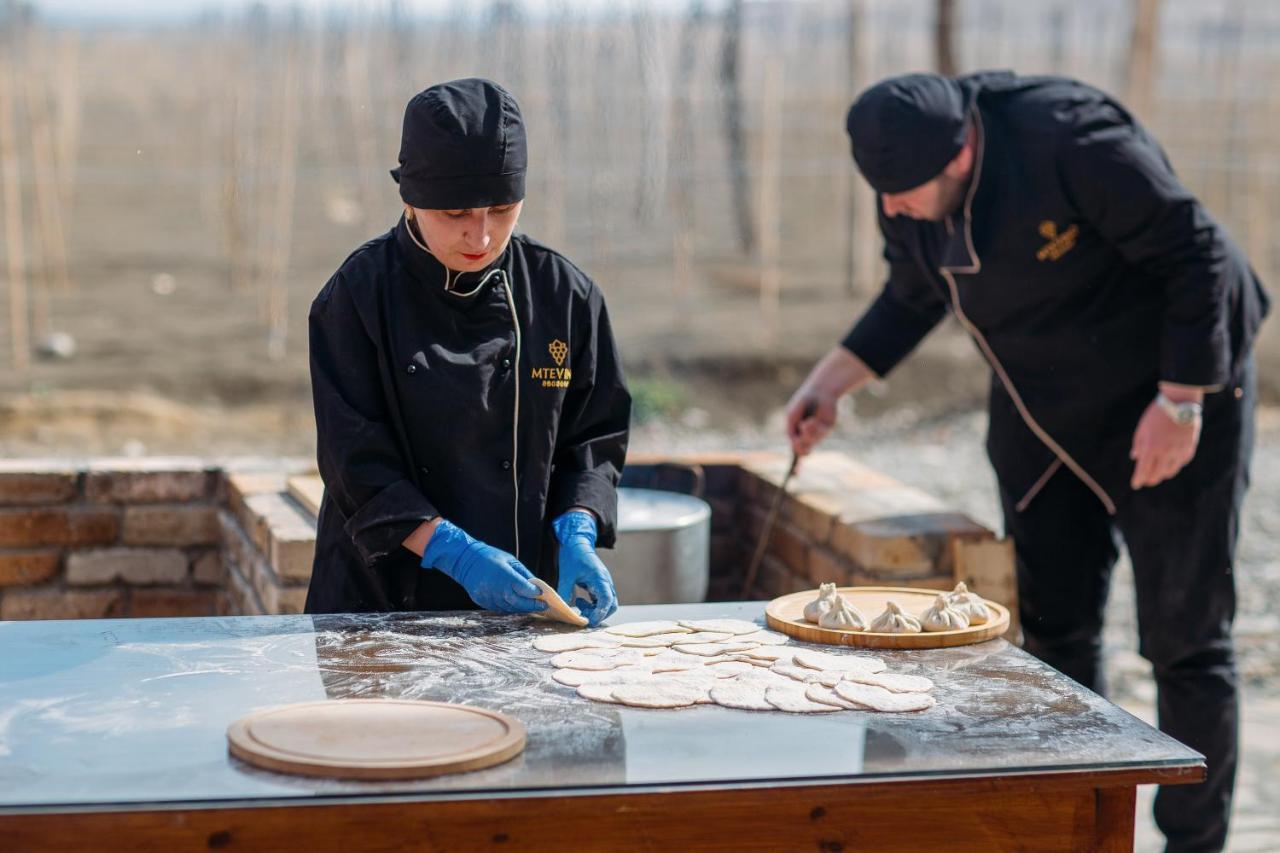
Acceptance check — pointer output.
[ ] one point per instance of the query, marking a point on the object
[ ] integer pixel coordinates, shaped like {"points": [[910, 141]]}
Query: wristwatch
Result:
{"points": [[1180, 413]]}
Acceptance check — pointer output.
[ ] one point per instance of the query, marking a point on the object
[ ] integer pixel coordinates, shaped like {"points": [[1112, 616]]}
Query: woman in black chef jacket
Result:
{"points": [[471, 413]]}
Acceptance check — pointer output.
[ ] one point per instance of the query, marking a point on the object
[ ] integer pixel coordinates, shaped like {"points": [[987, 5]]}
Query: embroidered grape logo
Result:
{"points": [[559, 349]]}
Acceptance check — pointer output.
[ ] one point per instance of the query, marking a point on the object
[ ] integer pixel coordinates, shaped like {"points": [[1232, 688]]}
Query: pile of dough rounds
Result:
{"points": [[728, 662], [951, 611]]}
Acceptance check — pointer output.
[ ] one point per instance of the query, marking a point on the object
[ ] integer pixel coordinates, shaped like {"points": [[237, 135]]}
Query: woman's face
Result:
{"points": [[467, 240]]}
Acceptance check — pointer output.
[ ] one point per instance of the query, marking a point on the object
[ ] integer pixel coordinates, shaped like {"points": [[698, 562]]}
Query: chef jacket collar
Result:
{"points": [[958, 253], [427, 269]]}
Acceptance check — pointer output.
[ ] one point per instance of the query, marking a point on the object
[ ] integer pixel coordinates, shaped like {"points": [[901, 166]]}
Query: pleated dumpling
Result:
{"points": [[826, 598], [894, 621], [942, 617], [970, 604], [843, 616]]}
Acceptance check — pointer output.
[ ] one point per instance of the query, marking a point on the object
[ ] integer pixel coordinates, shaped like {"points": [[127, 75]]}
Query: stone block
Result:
{"points": [[940, 582], [914, 545], [62, 604], [292, 554], [141, 566], [237, 549], [776, 579], [152, 603], [825, 566], [291, 537], [722, 480], [722, 514], [32, 482], [244, 601], [788, 544], [70, 526], [149, 481], [814, 513], [28, 568], [169, 524], [285, 599], [207, 569]]}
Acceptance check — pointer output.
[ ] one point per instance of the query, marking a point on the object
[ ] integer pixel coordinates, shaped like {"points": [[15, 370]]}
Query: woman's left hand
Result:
{"points": [[580, 567]]}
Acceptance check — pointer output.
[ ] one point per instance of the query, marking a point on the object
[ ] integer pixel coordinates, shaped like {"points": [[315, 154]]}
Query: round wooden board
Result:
{"points": [[375, 738], [786, 614]]}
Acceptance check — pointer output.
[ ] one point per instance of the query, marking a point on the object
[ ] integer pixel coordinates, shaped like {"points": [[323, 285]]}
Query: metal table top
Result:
{"points": [[133, 713]]}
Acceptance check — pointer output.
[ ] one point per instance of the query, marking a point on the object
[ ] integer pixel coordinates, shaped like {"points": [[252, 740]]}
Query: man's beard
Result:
{"points": [[951, 193]]}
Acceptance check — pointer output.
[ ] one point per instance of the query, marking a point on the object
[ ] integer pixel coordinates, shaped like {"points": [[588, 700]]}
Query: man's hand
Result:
{"points": [[494, 579], [1162, 447], [580, 568], [810, 418], [811, 412]]}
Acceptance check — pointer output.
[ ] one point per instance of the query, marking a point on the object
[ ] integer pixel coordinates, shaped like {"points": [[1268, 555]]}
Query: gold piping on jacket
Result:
{"points": [[1038, 485]]}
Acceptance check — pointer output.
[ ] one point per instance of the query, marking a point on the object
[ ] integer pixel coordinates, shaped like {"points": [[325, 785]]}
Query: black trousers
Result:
{"points": [[1181, 537]]}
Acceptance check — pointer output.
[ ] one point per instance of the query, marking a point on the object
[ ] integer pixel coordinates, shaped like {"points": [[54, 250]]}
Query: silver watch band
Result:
{"points": [[1181, 413]]}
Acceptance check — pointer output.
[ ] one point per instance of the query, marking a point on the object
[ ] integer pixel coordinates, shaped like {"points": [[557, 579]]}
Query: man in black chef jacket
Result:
{"points": [[471, 413], [1117, 318]]}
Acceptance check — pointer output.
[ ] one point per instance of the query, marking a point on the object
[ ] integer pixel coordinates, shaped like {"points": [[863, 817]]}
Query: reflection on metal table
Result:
{"points": [[116, 729]]}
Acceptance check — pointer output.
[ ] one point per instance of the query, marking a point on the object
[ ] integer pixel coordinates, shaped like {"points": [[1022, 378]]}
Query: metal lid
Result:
{"points": [[650, 509]]}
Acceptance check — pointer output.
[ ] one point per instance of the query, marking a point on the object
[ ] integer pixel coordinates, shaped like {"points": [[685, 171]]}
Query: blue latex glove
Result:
{"points": [[494, 579], [580, 567]]}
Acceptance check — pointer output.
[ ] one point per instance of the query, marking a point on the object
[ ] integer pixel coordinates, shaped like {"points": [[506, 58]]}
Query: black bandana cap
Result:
{"points": [[905, 130], [463, 146]]}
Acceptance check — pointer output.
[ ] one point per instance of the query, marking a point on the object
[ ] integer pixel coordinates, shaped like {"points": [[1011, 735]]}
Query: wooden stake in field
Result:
{"points": [[53, 242], [20, 337], [771, 202], [278, 294], [68, 126]]}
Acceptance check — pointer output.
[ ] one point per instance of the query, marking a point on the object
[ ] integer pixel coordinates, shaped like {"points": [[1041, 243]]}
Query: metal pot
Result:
{"points": [[663, 550]]}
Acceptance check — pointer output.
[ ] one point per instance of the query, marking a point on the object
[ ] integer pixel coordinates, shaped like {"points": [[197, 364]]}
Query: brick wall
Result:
{"points": [[109, 538], [181, 537], [839, 522]]}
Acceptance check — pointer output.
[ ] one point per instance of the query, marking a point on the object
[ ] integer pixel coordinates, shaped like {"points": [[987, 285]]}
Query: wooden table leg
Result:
{"points": [[1115, 819]]}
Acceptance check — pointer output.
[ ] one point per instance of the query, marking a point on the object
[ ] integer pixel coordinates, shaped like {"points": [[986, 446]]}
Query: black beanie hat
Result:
{"points": [[463, 146], [905, 130]]}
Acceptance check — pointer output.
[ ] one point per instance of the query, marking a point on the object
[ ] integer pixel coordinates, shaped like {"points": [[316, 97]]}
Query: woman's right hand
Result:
{"points": [[494, 579]]}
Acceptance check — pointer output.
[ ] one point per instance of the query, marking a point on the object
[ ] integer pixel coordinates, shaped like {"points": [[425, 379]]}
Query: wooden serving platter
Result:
{"points": [[375, 738], [786, 614]]}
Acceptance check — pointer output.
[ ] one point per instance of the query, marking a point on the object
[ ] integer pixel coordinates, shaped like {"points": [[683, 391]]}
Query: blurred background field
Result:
{"points": [[180, 178]]}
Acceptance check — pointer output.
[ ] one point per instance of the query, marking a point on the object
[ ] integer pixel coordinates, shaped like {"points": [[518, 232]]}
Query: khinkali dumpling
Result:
{"points": [[942, 617], [843, 616], [970, 604], [826, 597], [894, 621]]}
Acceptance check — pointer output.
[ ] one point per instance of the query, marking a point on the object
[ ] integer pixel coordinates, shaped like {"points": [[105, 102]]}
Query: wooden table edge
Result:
{"points": [[1099, 806]]}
